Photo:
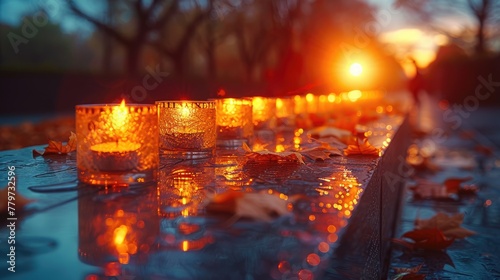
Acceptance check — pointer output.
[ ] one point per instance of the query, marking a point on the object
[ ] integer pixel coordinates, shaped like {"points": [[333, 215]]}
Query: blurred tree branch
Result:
{"points": [[485, 12], [145, 22], [177, 52]]}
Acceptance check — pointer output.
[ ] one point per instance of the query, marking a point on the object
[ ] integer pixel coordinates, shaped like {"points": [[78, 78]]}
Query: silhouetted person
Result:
{"points": [[416, 84]]}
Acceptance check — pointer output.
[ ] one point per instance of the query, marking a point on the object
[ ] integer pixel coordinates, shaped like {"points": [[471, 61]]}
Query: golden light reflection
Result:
{"points": [[116, 229], [323, 247], [313, 259], [297, 138], [181, 191], [229, 173], [119, 234], [339, 194]]}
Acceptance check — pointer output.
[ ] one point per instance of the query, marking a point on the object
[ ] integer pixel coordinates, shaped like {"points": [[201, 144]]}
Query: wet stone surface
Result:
{"points": [[339, 227]]}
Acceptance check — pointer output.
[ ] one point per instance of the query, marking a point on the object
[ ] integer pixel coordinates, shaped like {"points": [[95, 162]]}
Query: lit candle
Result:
{"points": [[264, 113], [187, 136], [234, 122], [117, 144], [120, 155], [285, 114], [187, 128], [116, 156]]}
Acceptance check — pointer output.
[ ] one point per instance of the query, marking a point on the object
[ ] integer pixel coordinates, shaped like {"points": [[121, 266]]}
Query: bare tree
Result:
{"points": [[485, 12], [214, 32], [183, 24], [147, 19], [254, 33]]}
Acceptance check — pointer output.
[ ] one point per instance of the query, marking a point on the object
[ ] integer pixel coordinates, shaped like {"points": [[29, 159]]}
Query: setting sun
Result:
{"points": [[356, 69]]}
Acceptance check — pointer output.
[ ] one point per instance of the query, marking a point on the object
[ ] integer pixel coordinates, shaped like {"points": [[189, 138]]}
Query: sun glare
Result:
{"points": [[356, 69]]}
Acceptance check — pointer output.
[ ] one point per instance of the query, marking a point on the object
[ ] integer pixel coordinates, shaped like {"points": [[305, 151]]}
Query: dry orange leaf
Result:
{"points": [[408, 273], [449, 225], [361, 147], [57, 147], [453, 184], [265, 155], [428, 239], [321, 152], [255, 206], [409, 276], [414, 269], [425, 189], [326, 131]]}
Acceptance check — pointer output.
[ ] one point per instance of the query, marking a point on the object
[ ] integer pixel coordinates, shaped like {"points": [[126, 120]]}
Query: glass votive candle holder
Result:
{"points": [[187, 128], [117, 144], [264, 113], [285, 113], [234, 122]]}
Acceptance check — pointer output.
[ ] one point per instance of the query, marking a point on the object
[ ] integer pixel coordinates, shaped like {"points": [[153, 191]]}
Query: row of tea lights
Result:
{"points": [[120, 144]]}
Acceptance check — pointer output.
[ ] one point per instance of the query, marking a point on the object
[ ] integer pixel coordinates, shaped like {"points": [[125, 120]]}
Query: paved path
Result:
{"points": [[455, 142]]}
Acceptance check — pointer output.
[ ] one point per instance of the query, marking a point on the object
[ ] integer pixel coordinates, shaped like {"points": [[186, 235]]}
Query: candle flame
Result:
{"points": [[185, 111], [230, 106], [331, 98], [310, 97], [279, 103], [119, 115], [185, 245], [258, 103]]}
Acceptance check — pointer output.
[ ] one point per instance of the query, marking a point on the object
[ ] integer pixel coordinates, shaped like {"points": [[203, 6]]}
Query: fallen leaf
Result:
{"points": [[326, 131], [468, 190], [409, 276], [265, 155], [484, 150], [414, 269], [453, 184], [361, 147], [408, 273], [256, 206], [428, 239], [421, 163], [450, 226], [57, 147], [321, 152], [425, 189], [19, 201]]}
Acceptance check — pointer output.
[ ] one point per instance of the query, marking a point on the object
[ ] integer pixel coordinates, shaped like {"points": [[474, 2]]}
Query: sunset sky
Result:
{"points": [[406, 37]]}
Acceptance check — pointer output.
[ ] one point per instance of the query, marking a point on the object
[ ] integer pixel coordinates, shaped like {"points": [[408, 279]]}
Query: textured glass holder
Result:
{"points": [[117, 144], [264, 113], [234, 122], [187, 128], [285, 113]]}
